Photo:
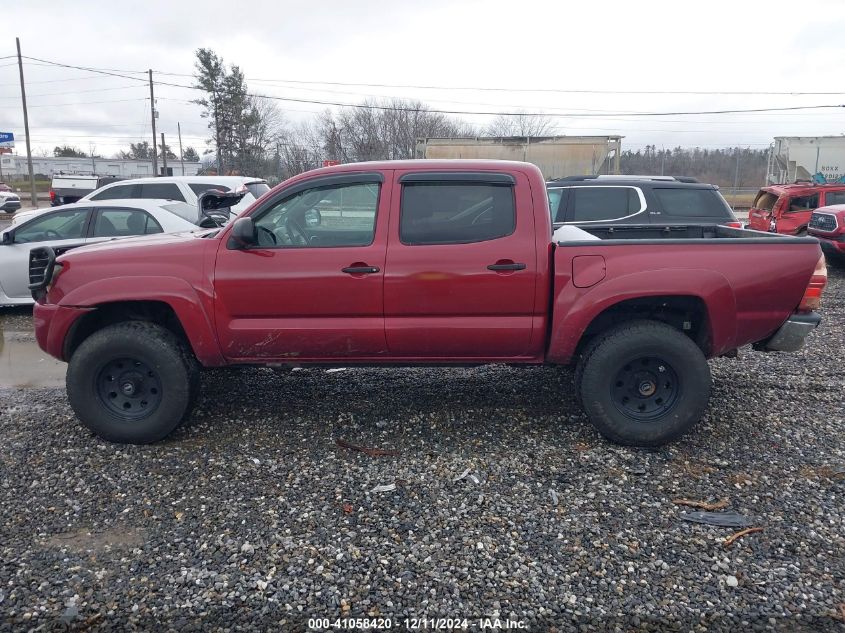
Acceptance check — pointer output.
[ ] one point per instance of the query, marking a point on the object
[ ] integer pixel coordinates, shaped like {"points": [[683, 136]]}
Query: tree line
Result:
{"points": [[726, 167]]}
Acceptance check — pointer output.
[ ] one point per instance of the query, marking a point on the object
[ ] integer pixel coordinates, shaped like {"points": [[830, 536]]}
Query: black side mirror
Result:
{"points": [[243, 234], [8, 237]]}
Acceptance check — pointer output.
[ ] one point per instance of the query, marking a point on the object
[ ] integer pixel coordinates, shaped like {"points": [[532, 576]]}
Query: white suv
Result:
{"points": [[181, 188]]}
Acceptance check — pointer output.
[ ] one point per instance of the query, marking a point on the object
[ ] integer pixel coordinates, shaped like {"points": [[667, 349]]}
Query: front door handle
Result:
{"points": [[360, 270], [511, 266]]}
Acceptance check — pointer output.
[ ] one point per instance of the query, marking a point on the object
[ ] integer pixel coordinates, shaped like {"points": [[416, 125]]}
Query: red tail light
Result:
{"points": [[813, 294], [734, 225], [52, 196]]}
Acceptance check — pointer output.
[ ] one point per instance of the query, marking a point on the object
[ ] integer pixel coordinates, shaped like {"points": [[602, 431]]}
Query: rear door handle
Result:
{"points": [[514, 266], [360, 270]]}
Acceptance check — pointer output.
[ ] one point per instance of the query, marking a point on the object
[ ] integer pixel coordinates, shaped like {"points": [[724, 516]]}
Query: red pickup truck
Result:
{"points": [[421, 263]]}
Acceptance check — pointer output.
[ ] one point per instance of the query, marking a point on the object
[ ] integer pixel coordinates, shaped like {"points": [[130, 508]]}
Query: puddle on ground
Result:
{"points": [[23, 364]]}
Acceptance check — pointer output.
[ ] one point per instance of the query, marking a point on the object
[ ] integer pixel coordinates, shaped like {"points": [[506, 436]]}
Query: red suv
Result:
{"points": [[787, 208]]}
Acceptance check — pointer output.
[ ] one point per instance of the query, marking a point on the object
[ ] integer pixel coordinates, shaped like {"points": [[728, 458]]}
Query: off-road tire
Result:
{"points": [[171, 371], [640, 362]]}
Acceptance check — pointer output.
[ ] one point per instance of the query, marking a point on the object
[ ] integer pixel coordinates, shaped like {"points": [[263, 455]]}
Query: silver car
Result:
{"points": [[76, 225]]}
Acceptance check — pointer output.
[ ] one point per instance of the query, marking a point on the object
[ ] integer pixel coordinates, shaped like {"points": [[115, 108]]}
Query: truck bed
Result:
{"points": [[703, 233], [747, 283]]}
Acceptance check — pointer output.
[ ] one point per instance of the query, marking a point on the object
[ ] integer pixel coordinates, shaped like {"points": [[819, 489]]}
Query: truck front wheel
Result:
{"points": [[644, 383], [132, 382]]}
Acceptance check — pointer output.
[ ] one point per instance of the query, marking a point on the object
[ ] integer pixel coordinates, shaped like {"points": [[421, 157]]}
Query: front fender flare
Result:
{"points": [[177, 293]]}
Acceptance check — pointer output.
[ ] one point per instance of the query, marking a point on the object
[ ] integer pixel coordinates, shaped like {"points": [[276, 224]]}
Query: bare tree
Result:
{"points": [[520, 124], [375, 130]]}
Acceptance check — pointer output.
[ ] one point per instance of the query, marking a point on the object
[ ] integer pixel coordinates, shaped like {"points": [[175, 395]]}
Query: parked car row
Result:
{"points": [[182, 189]]}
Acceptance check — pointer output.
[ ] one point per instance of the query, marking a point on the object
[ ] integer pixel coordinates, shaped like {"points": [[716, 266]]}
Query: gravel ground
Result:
{"points": [[253, 517]]}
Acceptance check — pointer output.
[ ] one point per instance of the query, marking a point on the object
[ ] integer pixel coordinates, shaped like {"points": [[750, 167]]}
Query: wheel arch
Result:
{"points": [[170, 302], [707, 315]]}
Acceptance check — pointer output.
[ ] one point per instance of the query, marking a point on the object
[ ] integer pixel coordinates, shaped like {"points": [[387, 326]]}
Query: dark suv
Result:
{"points": [[585, 200]]}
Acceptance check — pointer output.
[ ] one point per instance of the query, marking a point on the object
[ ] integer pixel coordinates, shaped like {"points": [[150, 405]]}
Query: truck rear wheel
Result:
{"points": [[132, 382], [644, 383]]}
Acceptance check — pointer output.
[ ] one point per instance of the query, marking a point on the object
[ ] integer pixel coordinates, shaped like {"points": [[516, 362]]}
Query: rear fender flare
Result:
{"points": [[576, 308], [175, 292]]}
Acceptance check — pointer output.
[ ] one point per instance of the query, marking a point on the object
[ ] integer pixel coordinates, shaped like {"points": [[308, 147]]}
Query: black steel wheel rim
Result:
{"points": [[129, 388], [645, 388]]}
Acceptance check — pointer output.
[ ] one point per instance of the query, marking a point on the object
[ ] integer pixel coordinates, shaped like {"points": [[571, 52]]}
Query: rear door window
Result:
{"points": [[803, 203], [118, 192], [834, 197], [161, 191], [597, 204], [691, 203], [122, 222], [455, 213]]}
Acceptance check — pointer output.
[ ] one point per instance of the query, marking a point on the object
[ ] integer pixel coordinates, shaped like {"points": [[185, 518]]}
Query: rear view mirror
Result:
{"points": [[313, 218], [8, 237], [244, 234]]}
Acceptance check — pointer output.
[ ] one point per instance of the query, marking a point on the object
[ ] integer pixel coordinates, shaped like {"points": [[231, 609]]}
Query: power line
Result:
{"points": [[64, 92], [466, 112], [77, 103], [546, 90]]}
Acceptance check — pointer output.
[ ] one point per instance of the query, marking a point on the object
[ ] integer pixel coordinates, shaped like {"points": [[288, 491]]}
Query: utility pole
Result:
{"points": [[163, 156], [217, 137], [181, 154], [736, 173], [153, 119], [26, 128]]}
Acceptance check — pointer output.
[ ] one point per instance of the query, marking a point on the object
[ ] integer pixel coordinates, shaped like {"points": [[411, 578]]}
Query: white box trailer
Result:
{"points": [[556, 156], [803, 157]]}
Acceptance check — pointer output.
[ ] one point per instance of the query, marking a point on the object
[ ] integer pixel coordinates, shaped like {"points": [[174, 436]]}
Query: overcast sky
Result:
{"points": [[462, 45]]}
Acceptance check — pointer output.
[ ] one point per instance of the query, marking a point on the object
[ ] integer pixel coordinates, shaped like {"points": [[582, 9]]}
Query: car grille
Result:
{"points": [[823, 222]]}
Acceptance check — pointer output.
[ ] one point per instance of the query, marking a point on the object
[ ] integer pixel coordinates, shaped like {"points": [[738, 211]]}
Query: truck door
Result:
{"points": [[796, 212], [461, 266], [313, 287]]}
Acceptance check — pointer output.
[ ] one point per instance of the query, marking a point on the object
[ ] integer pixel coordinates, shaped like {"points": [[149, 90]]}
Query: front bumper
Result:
{"points": [[791, 335], [831, 245], [52, 324]]}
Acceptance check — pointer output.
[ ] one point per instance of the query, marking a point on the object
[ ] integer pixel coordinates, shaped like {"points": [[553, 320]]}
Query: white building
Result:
{"points": [[801, 157], [14, 166]]}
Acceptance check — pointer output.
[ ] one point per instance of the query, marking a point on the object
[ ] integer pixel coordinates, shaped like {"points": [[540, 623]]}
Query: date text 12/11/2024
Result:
{"points": [[415, 624]]}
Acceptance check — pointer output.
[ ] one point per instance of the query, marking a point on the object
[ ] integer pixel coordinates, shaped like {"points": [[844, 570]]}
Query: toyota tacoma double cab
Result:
{"points": [[421, 262]]}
